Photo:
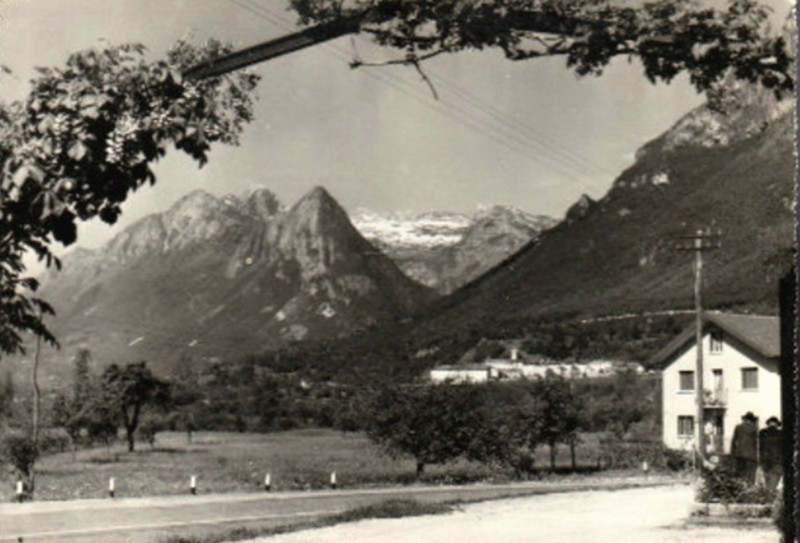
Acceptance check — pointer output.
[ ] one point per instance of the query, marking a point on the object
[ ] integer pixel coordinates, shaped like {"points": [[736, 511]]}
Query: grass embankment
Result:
{"points": [[233, 462]]}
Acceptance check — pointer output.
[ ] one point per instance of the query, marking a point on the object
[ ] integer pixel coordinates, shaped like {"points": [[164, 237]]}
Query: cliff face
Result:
{"points": [[225, 277]]}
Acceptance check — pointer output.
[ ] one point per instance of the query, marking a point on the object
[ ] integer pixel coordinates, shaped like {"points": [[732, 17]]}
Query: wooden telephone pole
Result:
{"points": [[702, 241]]}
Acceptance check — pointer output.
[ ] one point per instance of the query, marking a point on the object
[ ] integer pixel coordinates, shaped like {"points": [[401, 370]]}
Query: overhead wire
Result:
{"points": [[513, 141]]}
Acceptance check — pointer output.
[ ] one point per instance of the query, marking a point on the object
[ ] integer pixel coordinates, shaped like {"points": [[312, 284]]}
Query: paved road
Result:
{"points": [[642, 515], [149, 519]]}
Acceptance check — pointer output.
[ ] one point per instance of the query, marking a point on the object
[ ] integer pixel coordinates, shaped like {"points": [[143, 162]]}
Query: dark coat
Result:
{"points": [[745, 441], [770, 444]]}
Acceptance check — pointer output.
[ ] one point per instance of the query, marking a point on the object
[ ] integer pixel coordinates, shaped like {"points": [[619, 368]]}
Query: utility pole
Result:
{"points": [[701, 241]]}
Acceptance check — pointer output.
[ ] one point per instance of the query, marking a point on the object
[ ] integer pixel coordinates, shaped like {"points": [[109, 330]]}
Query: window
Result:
{"points": [[749, 378], [715, 344], [719, 384], [686, 380], [685, 425]]}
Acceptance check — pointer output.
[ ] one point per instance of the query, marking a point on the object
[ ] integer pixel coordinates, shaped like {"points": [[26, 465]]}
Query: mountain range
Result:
{"points": [[224, 277], [445, 250], [728, 172]]}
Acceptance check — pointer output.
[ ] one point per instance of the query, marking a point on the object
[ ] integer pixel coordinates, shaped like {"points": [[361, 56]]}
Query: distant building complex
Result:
{"points": [[506, 360]]}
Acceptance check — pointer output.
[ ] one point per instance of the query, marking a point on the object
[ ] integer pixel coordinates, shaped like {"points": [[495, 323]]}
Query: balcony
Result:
{"points": [[715, 398]]}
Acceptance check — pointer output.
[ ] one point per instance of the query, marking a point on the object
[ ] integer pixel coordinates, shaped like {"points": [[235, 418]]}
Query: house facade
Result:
{"points": [[741, 361]]}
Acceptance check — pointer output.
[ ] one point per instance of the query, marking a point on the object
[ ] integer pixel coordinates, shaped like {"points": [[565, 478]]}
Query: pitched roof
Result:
{"points": [[760, 333]]}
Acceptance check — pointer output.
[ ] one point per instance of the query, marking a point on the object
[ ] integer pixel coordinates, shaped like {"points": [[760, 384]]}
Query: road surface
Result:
{"points": [[642, 515], [150, 519]]}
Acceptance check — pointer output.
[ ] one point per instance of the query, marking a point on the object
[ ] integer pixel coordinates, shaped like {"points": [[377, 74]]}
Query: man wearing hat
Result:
{"points": [[744, 448], [770, 455]]}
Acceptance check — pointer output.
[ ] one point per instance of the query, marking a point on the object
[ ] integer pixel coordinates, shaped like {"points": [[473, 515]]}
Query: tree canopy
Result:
{"points": [[668, 36], [85, 138]]}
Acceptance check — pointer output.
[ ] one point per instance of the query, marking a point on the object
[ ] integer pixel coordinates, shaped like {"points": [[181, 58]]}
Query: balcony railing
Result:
{"points": [[717, 397]]}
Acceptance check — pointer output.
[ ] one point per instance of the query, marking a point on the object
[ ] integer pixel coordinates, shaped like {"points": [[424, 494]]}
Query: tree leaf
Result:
{"points": [[77, 151]]}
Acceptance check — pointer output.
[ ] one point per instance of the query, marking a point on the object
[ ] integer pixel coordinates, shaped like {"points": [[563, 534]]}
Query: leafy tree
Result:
{"points": [[668, 36], [131, 389], [508, 427], [559, 411], [432, 423], [100, 417], [623, 401], [82, 384], [70, 412], [85, 138]]}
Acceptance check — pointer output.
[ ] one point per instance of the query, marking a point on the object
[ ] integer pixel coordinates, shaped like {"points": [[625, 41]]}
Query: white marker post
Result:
{"points": [[646, 469], [111, 487], [267, 482], [193, 485], [20, 491], [333, 480]]}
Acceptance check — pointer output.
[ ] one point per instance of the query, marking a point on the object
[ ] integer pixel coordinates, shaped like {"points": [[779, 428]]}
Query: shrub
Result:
{"points": [[54, 440], [722, 485], [20, 451]]}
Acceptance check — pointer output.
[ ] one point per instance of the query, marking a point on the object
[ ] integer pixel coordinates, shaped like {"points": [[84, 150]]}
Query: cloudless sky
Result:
{"points": [[529, 134]]}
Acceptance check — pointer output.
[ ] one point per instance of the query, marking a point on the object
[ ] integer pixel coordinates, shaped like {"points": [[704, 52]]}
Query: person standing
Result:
{"points": [[770, 454], [744, 448]]}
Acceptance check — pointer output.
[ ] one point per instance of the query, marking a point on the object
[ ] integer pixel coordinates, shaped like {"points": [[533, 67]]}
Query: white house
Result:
{"points": [[741, 361], [471, 373]]}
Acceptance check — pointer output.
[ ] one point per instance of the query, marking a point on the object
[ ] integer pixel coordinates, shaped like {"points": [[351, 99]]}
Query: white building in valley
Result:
{"points": [[741, 361]]}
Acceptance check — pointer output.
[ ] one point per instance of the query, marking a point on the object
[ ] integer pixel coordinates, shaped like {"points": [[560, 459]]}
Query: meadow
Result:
{"points": [[238, 462]]}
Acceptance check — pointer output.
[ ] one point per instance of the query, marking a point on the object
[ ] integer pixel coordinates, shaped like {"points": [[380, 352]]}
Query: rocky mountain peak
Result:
{"points": [[320, 211], [261, 204]]}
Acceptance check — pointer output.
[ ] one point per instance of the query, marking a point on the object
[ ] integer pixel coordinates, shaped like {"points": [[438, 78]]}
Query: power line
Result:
{"points": [[460, 115], [520, 132], [485, 107]]}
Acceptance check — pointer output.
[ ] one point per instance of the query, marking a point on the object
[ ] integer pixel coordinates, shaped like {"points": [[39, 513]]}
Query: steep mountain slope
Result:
{"points": [[447, 250], [226, 277], [733, 172]]}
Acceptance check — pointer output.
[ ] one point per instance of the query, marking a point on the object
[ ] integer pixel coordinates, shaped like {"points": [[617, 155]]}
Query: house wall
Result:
{"points": [[460, 375], [764, 402]]}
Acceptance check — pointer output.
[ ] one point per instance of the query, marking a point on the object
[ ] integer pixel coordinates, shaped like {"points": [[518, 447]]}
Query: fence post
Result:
{"points": [[111, 487], [193, 485], [333, 480], [20, 491], [267, 482]]}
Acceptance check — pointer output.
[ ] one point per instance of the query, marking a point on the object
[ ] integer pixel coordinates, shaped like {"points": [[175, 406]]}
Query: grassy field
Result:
{"points": [[237, 462]]}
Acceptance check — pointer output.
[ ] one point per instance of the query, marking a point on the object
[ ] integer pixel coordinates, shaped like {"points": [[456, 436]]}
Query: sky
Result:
{"points": [[529, 134]]}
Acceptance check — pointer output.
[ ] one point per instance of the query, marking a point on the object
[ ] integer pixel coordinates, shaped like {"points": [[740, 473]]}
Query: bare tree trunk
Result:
{"points": [[37, 397], [420, 468], [552, 456]]}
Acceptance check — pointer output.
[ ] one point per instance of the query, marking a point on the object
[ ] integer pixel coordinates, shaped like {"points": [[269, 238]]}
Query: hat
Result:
{"points": [[749, 416], [776, 420]]}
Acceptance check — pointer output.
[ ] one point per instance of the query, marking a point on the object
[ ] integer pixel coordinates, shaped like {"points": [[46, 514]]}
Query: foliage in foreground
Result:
{"points": [[668, 36], [86, 137]]}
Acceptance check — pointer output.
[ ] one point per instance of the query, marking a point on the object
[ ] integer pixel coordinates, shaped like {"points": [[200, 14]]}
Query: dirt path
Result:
{"points": [[651, 515]]}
